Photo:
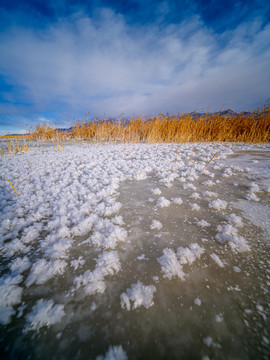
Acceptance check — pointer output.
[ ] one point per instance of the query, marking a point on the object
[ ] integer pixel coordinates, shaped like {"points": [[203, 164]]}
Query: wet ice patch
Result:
{"points": [[139, 294]]}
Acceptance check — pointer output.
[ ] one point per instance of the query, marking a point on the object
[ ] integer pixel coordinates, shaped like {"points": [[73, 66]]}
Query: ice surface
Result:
{"points": [[80, 233]]}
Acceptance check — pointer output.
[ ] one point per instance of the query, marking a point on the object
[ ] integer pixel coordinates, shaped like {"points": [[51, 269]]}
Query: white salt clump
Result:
{"points": [[163, 202], [189, 186], [43, 270], [19, 265], [216, 258], [197, 301], [92, 282], [195, 207], [208, 183], [195, 196], [156, 191], [118, 220], [235, 220], [93, 306], [230, 234], [109, 262], [156, 225], [84, 226], [31, 233], [10, 294], [177, 200], [210, 194], [141, 176], [202, 223], [189, 254], [76, 263], [219, 319], [44, 313], [57, 248], [252, 196], [218, 204], [114, 353], [208, 341], [107, 235], [170, 265], [253, 188], [140, 294], [13, 247], [236, 269]]}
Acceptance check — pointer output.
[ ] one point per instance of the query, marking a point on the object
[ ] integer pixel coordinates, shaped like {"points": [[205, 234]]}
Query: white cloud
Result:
{"points": [[104, 65]]}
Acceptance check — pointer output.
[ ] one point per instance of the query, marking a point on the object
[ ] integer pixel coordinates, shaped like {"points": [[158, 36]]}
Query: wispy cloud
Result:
{"points": [[103, 64]]}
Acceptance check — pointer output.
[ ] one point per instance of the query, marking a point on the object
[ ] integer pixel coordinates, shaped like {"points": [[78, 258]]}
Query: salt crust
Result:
{"points": [[114, 353], [140, 294]]}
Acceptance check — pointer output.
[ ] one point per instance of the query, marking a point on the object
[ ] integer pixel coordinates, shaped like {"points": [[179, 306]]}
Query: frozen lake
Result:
{"points": [[135, 251]]}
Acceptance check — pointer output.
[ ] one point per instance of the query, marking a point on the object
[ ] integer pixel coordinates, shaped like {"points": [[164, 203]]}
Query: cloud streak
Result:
{"points": [[102, 64]]}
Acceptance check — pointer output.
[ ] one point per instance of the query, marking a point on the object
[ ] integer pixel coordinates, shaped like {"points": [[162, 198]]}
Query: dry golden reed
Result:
{"points": [[244, 127]]}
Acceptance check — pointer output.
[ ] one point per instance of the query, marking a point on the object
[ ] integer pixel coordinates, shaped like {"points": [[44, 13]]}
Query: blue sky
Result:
{"points": [[64, 60]]}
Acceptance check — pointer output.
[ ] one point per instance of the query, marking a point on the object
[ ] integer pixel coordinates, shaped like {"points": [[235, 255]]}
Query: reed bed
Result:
{"points": [[164, 128]]}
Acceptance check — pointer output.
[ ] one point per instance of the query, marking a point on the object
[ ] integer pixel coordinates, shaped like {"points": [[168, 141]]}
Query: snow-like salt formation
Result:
{"points": [[44, 313], [10, 295], [171, 263], [228, 233], [140, 294], [202, 223], [216, 258], [177, 200], [114, 353], [170, 266], [156, 191], [163, 202], [197, 302], [218, 204], [156, 225]]}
